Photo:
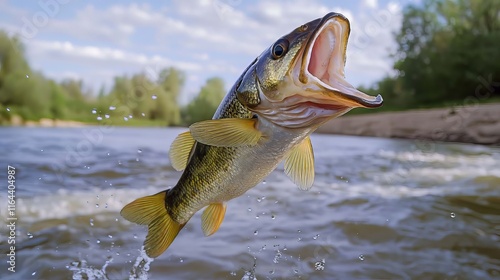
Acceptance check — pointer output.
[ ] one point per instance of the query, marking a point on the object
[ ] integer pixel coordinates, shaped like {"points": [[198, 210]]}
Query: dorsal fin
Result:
{"points": [[180, 150]]}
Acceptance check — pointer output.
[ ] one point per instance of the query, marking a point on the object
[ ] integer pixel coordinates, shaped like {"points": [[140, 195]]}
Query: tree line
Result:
{"points": [[447, 54], [141, 98]]}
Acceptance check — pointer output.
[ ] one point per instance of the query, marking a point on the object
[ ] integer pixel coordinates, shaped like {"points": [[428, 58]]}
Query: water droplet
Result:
{"points": [[106, 116], [181, 260], [273, 217], [99, 118], [154, 97], [110, 236], [271, 271], [452, 215], [295, 271], [299, 239], [249, 209], [91, 222], [27, 76], [116, 219], [361, 257], [142, 114], [277, 257], [256, 232], [139, 151], [41, 150], [98, 241], [233, 273], [34, 272], [94, 111], [108, 154], [264, 182], [316, 236], [135, 236], [125, 118], [97, 205], [257, 217], [320, 265], [130, 116], [8, 109], [112, 108], [29, 235], [105, 205], [299, 231]]}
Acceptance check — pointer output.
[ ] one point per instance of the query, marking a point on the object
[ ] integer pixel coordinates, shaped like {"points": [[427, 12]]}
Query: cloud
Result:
{"points": [[204, 38]]}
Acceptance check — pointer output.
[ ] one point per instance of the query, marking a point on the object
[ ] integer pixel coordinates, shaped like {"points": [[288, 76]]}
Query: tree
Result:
{"points": [[203, 106], [445, 49]]}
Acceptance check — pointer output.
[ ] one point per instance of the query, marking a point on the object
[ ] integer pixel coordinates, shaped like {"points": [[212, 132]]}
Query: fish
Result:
{"points": [[293, 87]]}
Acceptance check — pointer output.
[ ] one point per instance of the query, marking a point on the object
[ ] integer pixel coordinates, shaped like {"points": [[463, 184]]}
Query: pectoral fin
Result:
{"points": [[212, 218], [180, 150], [299, 164], [226, 132]]}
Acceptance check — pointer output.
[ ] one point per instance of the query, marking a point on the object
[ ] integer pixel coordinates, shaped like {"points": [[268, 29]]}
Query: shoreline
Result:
{"points": [[44, 122], [476, 124]]}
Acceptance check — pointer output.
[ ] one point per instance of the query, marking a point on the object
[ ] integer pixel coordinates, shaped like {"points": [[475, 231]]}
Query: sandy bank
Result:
{"points": [[478, 124], [18, 121]]}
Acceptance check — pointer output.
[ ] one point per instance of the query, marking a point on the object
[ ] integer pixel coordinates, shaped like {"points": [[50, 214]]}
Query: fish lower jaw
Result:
{"points": [[308, 114]]}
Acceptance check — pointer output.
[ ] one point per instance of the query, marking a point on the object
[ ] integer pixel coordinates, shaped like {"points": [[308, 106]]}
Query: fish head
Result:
{"points": [[299, 80]]}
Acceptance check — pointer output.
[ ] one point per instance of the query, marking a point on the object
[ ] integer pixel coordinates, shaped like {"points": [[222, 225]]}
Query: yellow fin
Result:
{"points": [[299, 164], [226, 132], [212, 218], [162, 230], [180, 150]]}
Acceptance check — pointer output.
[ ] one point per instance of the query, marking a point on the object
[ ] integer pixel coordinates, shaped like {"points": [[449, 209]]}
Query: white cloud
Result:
{"points": [[203, 37], [370, 3]]}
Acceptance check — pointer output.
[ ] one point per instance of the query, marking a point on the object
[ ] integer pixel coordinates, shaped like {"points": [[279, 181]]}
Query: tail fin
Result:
{"points": [[162, 229]]}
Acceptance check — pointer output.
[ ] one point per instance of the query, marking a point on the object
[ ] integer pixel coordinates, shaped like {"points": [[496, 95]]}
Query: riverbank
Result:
{"points": [[18, 121], [479, 124]]}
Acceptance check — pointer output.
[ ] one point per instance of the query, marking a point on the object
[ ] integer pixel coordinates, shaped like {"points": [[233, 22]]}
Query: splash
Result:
{"points": [[141, 266], [81, 270]]}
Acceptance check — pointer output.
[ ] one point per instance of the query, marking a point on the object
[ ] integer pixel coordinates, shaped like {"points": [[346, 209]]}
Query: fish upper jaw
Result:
{"points": [[320, 71]]}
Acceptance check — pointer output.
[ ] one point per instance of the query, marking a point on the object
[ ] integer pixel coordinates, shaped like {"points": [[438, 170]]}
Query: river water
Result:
{"points": [[379, 209]]}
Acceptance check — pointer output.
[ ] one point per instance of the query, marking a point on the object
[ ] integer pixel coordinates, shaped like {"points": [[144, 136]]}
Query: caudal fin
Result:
{"points": [[162, 230]]}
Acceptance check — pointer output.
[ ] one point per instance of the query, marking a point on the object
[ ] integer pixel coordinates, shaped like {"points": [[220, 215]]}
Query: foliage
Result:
{"points": [[133, 100], [203, 106], [447, 55]]}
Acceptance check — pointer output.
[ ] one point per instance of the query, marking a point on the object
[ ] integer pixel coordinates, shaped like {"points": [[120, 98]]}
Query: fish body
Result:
{"points": [[285, 94]]}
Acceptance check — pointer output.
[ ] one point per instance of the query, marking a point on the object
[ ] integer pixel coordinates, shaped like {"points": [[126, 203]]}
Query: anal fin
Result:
{"points": [[151, 211], [299, 164], [212, 218]]}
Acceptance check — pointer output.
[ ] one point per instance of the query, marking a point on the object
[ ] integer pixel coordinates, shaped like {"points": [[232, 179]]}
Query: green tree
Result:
{"points": [[203, 106], [446, 48]]}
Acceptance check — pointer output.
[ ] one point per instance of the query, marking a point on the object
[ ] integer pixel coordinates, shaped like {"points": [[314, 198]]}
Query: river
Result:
{"points": [[379, 209]]}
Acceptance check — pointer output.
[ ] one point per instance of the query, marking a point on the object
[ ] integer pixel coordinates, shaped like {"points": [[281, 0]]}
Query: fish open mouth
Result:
{"points": [[324, 62]]}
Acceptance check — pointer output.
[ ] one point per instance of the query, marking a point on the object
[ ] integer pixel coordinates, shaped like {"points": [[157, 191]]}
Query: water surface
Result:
{"points": [[379, 209]]}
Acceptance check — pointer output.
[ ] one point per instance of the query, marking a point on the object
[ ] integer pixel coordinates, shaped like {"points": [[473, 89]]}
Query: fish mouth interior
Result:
{"points": [[325, 63]]}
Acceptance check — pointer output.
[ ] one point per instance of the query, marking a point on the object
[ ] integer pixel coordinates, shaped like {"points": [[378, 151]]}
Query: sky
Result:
{"points": [[97, 40]]}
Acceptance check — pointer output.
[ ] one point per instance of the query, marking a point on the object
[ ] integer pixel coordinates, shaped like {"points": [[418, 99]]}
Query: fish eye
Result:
{"points": [[280, 48], [303, 28]]}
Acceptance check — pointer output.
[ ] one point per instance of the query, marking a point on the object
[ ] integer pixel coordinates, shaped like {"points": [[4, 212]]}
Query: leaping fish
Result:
{"points": [[286, 93]]}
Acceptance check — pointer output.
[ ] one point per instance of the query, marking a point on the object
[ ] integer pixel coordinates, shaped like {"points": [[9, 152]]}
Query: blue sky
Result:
{"points": [[97, 40]]}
